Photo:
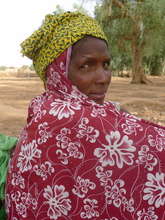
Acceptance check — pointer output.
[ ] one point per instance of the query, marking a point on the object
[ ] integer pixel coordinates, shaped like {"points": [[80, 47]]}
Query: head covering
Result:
{"points": [[57, 33], [76, 159]]}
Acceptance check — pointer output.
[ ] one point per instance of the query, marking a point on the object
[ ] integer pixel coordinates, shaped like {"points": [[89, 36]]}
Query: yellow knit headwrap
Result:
{"points": [[57, 33]]}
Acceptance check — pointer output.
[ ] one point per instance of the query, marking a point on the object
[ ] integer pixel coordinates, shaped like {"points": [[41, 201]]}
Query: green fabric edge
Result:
{"points": [[3, 215], [7, 143]]}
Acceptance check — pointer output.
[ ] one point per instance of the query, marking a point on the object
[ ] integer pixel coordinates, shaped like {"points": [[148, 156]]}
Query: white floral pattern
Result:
{"points": [[23, 202], [155, 189], [104, 176], [98, 112], [37, 112], [146, 158], [117, 152], [57, 199], [131, 126], [62, 139], [44, 170], [160, 131], [28, 154], [43, 133], [89, 132], [71, 151], [18, 180], [68, 149], [54, 81], [158, 142], [115, 193], [82, 186], [63, 109], [147, 215], [89, 207]]}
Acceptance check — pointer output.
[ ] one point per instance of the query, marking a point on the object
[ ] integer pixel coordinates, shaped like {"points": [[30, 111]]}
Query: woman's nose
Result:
{"points": [[102, 75]]}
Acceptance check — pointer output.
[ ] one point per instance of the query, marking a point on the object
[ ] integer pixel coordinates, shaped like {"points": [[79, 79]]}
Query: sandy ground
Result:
{"points": [[145, 101]]}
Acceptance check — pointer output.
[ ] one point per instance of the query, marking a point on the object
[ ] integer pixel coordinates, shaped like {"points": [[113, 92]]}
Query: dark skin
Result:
{"points": [[89, 68]]}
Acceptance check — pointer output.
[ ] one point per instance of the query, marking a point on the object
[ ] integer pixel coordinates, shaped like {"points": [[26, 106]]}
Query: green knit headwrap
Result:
{"points": [[57, 33]]}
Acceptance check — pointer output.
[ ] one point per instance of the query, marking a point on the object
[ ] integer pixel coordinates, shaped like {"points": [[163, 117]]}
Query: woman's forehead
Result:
{"points": [[90, 45]]}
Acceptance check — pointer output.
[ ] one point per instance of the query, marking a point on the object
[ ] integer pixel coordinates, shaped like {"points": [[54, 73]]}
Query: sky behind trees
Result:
{"points": [[19, 18]]}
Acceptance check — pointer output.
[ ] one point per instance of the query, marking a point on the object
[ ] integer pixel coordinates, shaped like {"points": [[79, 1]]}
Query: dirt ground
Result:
{"points": [[145, 101]]}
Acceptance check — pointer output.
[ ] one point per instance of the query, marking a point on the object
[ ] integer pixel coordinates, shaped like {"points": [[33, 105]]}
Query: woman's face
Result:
{"points": [[89, 68]]}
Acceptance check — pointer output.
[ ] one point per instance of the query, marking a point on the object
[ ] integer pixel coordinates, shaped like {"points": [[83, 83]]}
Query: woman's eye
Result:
{"points": [[85, 66], [107, 65]]}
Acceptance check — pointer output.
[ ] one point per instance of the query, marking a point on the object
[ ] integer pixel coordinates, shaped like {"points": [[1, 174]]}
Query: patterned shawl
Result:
{"points": [[76, 159]]}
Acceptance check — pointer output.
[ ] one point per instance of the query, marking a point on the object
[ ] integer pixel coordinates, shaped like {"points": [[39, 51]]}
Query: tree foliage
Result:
{"points": [[76, 7], [135, 30]]}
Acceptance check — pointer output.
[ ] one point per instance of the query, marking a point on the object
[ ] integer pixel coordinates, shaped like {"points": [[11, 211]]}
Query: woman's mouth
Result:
{"points": [[97, 97]]}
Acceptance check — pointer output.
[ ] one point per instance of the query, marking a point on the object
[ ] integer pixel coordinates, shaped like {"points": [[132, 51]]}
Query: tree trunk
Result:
{"points": [[138, 76]]}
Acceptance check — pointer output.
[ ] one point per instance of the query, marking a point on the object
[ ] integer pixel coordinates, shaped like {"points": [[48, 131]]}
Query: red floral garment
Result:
{"points": [[76, 159]]}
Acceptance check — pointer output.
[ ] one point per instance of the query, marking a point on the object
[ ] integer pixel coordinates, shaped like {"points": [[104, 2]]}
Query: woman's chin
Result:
{"points": [[99, 101]]}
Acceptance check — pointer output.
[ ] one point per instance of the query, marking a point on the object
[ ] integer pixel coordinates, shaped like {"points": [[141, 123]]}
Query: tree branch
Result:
{"points": [[120, 5]]}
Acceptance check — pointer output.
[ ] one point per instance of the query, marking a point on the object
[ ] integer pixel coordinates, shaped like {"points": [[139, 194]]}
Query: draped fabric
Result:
{"points": [[76, 159]]}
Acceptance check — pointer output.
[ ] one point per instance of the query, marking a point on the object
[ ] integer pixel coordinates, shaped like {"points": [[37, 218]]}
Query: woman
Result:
{"points": [[79, 157]]}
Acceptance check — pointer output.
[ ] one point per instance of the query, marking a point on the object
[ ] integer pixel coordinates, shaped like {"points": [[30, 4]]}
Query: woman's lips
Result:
{"points": [[96, 96]]}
